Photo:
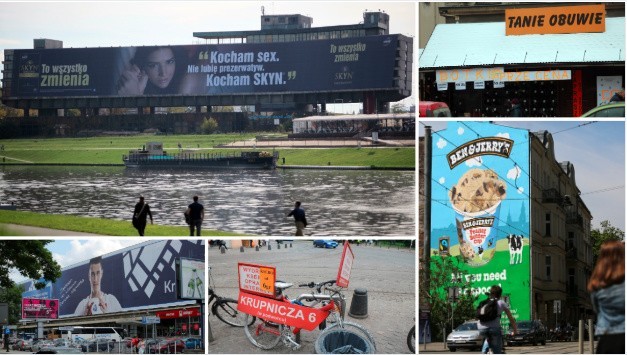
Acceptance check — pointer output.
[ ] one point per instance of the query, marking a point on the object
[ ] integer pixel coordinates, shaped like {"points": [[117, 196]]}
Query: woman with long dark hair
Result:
{"points": [[607, 288], [152, 71]]}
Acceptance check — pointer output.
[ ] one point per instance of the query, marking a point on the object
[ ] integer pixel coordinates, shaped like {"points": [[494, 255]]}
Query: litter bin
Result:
{"points": [[343, 341]]}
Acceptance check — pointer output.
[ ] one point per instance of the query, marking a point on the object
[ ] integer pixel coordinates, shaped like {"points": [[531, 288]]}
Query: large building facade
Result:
{"points": [[257, 69], [147, 279], [501, 202], [484, 56]]}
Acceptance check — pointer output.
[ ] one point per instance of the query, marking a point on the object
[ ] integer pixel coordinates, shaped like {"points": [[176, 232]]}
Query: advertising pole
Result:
{"points": [[427, 205], [427, 214]]}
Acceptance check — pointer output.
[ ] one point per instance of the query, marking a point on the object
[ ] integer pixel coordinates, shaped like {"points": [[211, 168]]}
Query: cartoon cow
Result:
{"points": [[515, 242]]}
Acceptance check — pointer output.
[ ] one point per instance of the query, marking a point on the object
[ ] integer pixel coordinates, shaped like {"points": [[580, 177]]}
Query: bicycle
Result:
{"points": [[226, 308], [411, 339], [266, 334]]}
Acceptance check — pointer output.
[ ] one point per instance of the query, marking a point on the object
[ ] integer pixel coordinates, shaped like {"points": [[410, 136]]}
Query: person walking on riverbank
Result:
{"points": [[299, 218], [139, 215], [607, 291], [196, 212]]}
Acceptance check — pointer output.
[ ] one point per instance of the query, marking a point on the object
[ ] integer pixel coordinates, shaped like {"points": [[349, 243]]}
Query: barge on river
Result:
{"points": [[153, 156]]}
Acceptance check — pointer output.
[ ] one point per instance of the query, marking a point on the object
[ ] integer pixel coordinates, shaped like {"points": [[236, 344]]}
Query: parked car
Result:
{"points": [[22, 345], [41, 343], [59, 350], [466, 336], [61, 342], [433, 109], [166, 346], [324, 243], [529, 332], [98, 345], [193, 343], [613, 109]]}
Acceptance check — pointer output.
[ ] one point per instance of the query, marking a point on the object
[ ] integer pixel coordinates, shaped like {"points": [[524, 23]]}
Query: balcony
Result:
{"points": [[551, 196], [574, 218]]}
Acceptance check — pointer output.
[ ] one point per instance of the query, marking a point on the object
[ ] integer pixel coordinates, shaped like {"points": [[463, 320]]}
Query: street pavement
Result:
{"points": [[389, 276], [319, 143], [20, 230], [569, 347]]}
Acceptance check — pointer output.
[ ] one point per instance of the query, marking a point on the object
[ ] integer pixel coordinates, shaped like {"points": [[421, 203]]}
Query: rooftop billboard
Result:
{"points": [[480, 207], [36, 308], [140, 277], [322, 65]]}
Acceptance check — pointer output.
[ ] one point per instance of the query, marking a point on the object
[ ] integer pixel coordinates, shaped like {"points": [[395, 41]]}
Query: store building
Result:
{"points": [[536, 56], [151, 280]]}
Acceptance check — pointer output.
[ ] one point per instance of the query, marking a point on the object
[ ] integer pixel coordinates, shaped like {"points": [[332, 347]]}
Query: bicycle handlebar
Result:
{"points": [[318, 286]]}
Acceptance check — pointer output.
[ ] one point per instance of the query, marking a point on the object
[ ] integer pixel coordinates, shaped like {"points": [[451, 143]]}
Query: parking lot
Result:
{"points": [[388, 275]]}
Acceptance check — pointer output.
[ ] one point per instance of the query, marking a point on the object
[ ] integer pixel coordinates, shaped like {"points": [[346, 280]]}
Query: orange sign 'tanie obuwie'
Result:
{"points": [[563, 19]]}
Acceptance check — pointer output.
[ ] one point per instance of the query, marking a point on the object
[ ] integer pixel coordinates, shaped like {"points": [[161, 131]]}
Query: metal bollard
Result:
{"points": [[278, 246], [222, 249], [580, 336], [241, 249], [591, 335], [269, 246], [256, 247], [359, 304], [290, 245]]}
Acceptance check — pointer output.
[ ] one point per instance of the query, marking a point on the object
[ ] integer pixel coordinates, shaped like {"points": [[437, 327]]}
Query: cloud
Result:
{"points": [[503, 135], [9, 42], [460, 131], [441, 143], [514, 173], [521, 190], [442, 180], [83, 250], [474, 162]]}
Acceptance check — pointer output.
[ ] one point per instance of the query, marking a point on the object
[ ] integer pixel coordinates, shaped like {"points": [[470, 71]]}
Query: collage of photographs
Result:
{"points": [[244, 177]]}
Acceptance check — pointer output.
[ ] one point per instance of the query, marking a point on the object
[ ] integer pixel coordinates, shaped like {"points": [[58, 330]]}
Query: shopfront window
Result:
{"points": [[509, 99]]}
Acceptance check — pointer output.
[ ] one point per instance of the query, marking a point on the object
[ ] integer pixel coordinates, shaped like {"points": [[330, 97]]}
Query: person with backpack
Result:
{"points": [[489, 314]]}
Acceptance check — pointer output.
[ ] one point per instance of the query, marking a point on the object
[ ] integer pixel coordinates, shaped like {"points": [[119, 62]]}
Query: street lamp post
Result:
{"points": [[453, 296]]}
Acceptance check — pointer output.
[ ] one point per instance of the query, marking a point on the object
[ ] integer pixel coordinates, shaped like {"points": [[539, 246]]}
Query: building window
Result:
{"points": [[281, 19], [548, 267], [571, 240], [547, 225]]}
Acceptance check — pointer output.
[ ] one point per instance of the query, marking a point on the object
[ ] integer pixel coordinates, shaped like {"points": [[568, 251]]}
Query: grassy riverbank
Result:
{"points": [[109, 150], [93, 225]]}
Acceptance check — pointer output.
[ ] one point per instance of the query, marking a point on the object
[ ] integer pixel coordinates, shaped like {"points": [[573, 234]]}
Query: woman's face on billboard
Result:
{"points": [[160, 67]]}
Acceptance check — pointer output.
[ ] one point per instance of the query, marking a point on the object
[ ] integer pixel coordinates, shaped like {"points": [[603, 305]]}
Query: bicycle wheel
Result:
{"points": [[226, 310], [411, 339], [264, 335], [353, 327]]}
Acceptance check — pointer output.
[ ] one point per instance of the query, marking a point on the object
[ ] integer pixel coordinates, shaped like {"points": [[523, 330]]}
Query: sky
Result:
{"points": [[68, 252], [137, 23], [597, 151]]}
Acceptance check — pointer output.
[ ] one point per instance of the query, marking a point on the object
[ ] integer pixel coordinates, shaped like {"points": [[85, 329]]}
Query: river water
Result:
{"points": [[337, 202]]}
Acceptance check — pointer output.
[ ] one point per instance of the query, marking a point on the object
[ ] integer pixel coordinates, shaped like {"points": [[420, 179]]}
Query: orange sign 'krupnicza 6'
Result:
{"points": [[547, 20]]}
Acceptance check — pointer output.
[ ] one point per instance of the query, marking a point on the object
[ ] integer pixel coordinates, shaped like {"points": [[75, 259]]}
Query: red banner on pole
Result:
{"points": [[280, 312], [577, 93], [346, 264]]}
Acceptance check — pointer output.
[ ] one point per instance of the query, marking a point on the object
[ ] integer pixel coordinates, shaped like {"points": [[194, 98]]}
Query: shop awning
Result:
{"points": [[476, 44]]}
